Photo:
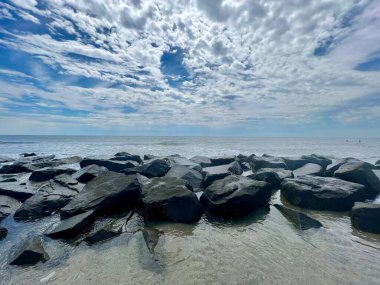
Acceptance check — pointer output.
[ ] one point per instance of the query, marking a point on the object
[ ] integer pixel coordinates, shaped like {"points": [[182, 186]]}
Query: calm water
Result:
{"points": [[263, 248]]}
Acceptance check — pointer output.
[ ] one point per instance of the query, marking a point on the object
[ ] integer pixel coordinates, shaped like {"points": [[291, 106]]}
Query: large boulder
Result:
{"points": [[29, 252], [294, 162], [17, 190], [309, 169], [203, 161], [124, 156], [8, 206], [58, 162], [273, 176], [322, 193], [72, 227], [317, 159], [213, 173], [191, 176], [46, 174], [360, 172], [183, 161], [88, 173], [258, 162], [235, 196], [51, 197], [366, 217], [16, 168], [222, 160], [331, 168], [107, 192], [298, 219], [155, 168], [111, 165], [168, 198]]}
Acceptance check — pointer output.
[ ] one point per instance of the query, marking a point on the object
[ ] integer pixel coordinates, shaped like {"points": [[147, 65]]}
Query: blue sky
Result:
{"points": [[240, 68]]}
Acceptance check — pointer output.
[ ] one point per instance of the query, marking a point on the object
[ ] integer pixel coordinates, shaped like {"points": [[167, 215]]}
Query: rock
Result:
{"points": [[58, 162], [155, 168], [127, 163], [134, 224], [322, 193], [360, 172], [8, 180], [331, 168], [8, 206], [201, 160], [16, 190], [168, 198], [213, 173], [87, 173], [235, 196], [242, 158], [3, 233], [273, 176], [25, 154], [4, 159], [71, 227], [309, 169], [294, 162], [16, 168], [49, 173], [29, 252], [222, 160], [300, 220], [317, 159], [258, 162], [191, 176], [151, 237], [245, 166], [366, 217], [111, 165], [127, 156], [36, 159], [183, 161], [149, 156], [106, 193], [51, 197], [377, 162]]}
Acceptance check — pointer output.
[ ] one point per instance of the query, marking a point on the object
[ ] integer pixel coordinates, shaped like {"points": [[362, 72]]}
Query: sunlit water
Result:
{"points": [[262, 248]]}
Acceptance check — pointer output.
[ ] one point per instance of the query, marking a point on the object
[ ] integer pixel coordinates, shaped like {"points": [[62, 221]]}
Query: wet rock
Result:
{"points": [[8, 206], [36, 159], [127, 156], [151, 237], [360, 172], [213, 173], [183, 161], [317, 159], [28, 154], [331, 168], [273, 176], [58, 162], [51, 197], [191, 176], [235, 196], [3, 233], [155, 168], [88, 173], [294, 162], [300, 220], [201, 160], [168, 198], [49, 173], [111, 165], [150, 156], [17, 190], [258, 162], [108, 192], [4, 159], [366, 217], [222, 160], [29, 252], [72, 227], [309, 169], [322, 193], [8, 180], [16, 168]]}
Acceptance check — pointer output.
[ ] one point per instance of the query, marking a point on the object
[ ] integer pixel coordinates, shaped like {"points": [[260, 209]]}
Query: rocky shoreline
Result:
{"points": [[109, 196]]}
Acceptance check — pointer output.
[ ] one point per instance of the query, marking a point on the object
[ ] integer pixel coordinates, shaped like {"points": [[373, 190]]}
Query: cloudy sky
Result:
{"points": [[206, 67]]}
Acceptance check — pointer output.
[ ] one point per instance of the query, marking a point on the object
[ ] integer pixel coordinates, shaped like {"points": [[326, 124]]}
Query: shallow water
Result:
{"points": [[262, 248]]}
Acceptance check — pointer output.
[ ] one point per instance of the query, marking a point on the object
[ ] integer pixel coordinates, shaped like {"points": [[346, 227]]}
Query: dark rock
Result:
{"points": [[235, 196], [8, 180], [8, 206], [16, 168], [4, 159], [191, 176], [331, 168], [111, 165], [149, 156], [51, 197], [258, 162], [106, 193], [300, 220], [317, 159], [201, 160], [309, 169], [16, 190], [273, 176], [377, 162], [151, 237], [243, 158], [127, 163], [36, 159], [58, 162], [49, 173], [245, 166], [294, 162], [3, 233], [213, 173], [30, 251], [28, 154], [71, 227], [360, 172], [127, 156], [183, 161], [155, 168], [366, 217], [222, 160], [322, 193], [168, 198], [88, 173]]}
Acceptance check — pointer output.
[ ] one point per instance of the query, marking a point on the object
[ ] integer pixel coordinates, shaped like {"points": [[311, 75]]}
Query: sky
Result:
{"points": [[196, 67]]}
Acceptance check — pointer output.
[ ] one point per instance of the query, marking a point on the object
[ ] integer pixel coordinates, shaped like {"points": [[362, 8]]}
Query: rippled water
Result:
{"points": [[263, 248]]}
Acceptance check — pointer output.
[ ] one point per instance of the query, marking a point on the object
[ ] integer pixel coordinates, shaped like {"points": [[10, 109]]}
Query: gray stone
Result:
{"points": [[273, 176], [58, 162], [16, 168], [127, 156], [111, 165], [88, 173], [213, 173], [155, 168], [317, 159], [258, 162], [183, 161], [29, 252], [222, 160], [294, 162], [298, 219], [366, 217], [8, 206], [191, 176], [331, 168], [309, 169], [16, 190], [46, 174], [203, 161]]}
